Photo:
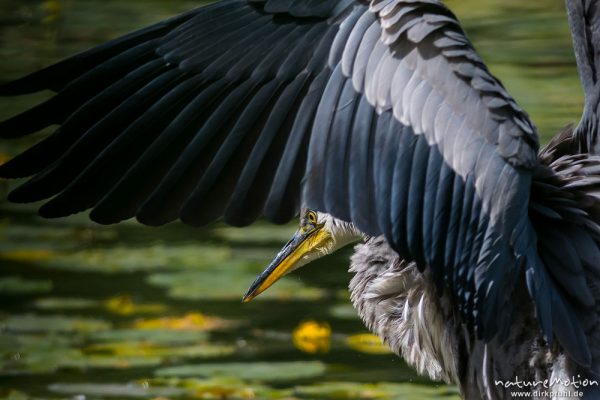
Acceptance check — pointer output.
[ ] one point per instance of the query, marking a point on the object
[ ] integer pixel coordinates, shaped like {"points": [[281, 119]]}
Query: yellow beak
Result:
{"points": [[302, 248]]}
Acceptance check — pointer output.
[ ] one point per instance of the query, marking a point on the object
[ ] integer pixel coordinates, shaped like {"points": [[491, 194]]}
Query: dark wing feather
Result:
{"points": [[566, 195], [363, 150], [59, 75], [383, 116], [126, 197], [47, 151], [163, 124], [584, 18]]}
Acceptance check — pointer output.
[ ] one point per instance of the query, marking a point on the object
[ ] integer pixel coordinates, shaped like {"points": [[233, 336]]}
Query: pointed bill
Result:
{"points": [[302, 248]]}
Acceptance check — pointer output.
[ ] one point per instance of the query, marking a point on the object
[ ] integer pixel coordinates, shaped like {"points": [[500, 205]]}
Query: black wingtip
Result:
{"points": [[33, 120], [192, 217], [55, 208], [14, 168], [31, 191], [109, 214], [25, 85], [154, 220], [22, 195], [7, 171], [106, 219]]}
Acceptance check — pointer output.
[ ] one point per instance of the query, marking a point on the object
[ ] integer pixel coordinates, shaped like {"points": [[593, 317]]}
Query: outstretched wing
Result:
{"points": [[584, 18], [161, 123], [381, 114]]}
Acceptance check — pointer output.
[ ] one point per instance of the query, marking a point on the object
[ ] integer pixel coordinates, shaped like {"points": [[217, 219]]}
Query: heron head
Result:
{"points": [[319, 234]]}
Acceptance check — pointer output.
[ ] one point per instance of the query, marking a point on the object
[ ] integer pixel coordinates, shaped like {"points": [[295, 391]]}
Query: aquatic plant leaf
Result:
{"points": [[367, 343], [152, 350], [112, 390], [252, 371], [64, 303], [157, 336], [367, 391], [19, 285], [124, 305], [121, 259], [229, 284], [25, 353], [13, 394], [344, 311], [193, 321], [259, 233], [146, 258], [27, 255], [52, 323], [219, 388]]}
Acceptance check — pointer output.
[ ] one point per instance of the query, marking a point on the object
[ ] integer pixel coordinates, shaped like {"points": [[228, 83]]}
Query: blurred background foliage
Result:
{"points": [[127, 311]]}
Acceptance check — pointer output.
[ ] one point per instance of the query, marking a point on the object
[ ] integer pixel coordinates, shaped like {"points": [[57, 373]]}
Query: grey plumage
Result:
{"points": [[378, 113], [584, 18], [394, 299]]}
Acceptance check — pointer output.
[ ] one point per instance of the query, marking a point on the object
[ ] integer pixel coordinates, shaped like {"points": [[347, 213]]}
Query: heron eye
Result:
{"points": [[312, 217]]}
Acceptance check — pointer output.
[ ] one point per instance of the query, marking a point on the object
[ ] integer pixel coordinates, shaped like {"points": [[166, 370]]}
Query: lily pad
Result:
{"points": [[229, 284], [193, 321], [18, 285], [367, 343], [32, 255], [257, 233], [222, 388], [384, 390], [64, 303], [344, 311], [52, 323], [120, 259], [29, 353], [13, 394], [124, 305], [86, 361], [159, 336], [152, 350], [252, 371], [61, 237], [116, 390]]}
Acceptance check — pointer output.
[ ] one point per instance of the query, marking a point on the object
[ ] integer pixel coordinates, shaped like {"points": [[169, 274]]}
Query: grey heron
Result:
{"points": [[378, 122]]}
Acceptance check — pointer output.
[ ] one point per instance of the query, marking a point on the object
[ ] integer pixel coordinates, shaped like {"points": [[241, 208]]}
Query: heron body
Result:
{"points": [[400, 304], [377, 121]]}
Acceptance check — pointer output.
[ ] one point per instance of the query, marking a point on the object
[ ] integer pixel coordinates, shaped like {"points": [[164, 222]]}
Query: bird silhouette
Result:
{"points": [[376, 121]]}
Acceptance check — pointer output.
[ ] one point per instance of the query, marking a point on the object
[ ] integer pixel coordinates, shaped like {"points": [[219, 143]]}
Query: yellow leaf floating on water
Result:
{"points": [[53, 9], [219, 392], [218, 388], [119, 304], [124, 305], [193, 321], [312, 337], [367, 343]]}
